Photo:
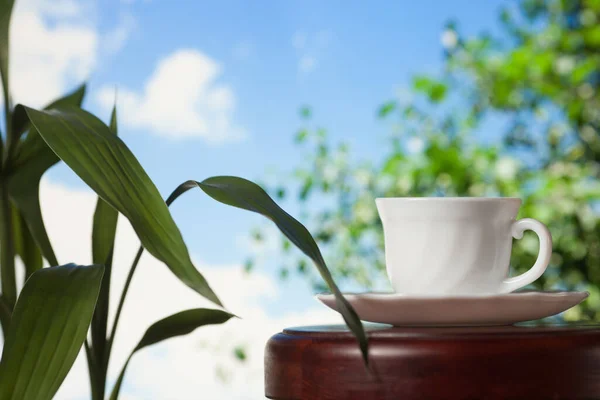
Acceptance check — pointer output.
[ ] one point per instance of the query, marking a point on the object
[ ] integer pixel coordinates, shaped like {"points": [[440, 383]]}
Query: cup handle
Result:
{"points": [[544, 254]]}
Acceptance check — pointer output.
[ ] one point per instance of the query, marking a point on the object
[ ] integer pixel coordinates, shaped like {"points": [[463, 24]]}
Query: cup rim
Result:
{"points": [[448, 199]]}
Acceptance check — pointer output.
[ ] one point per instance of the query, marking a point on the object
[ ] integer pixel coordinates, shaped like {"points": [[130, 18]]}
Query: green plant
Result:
{"points": [[511, 115], [49, 325], [35, 140]]}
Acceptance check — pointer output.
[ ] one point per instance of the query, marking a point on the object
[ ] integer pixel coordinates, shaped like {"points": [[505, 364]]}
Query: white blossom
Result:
{"points": [[449, 39], [506, 168], [415, 145], [564, 64]]}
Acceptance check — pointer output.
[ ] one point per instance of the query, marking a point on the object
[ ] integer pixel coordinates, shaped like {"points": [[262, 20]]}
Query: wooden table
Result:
{"points": [[510, 362]]}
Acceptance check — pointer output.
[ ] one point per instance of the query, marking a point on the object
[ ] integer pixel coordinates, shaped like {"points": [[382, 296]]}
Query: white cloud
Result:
{"points": [[57, 8], [52, 47], [55, 45], [308, 48], [114, 40], [202, 362], [181, 99]]}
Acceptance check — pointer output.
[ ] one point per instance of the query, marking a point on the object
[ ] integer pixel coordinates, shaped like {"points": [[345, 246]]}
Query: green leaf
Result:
{"points": [[240, 353], [8, 279], [106, 164], [305, 112], [242, 193], [25, 245], [306, 188], [178, 324], [48, 327], [248, 266], [6, 7], [33, 140], [5, 315], [301, 136], [103, 238], [435, 91], [34, 158], [24, 188], [386, 109], [103, 232]]}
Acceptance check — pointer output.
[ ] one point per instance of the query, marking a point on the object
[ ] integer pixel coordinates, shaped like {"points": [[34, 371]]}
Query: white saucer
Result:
{"points": [[494, 309]]}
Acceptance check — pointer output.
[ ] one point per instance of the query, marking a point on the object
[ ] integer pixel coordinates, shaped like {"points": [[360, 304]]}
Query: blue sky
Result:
{"points": [[343, 59], [214, 88], [363, 54]]}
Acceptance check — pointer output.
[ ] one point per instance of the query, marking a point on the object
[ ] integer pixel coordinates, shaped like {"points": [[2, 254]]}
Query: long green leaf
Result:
{"points": [[33, 143], [178, 324], [125, 290], [6, 7], [8, 279], [242, 193], [34, 158], [103, 238], [5, 315], [25, 246], [48, 327], [24, 189], [7, 268], [106, 164]]}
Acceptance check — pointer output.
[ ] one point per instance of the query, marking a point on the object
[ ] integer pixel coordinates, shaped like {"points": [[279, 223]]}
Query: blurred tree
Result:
{"points": [[540, 79]]}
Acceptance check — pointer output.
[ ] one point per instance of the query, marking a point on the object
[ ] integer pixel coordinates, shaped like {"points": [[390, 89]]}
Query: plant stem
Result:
{"points": [[7, 114], [99, 329], [7, 250], [5, 316], [93, 371], [122, 302]]}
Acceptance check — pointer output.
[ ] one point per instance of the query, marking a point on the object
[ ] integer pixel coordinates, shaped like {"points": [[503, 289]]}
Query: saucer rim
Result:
{"points": [[498, 309], [399, 296], [449, 199]]}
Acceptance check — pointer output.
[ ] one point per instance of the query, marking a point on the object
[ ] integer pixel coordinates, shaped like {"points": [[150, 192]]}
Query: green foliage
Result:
{"points": [[107, 165], [305, 112], [538, 84], [434, 90], [104, 229], [45, 329], [241, 193], [48, 326], [240, 353], [33, 158], [6, 7], [25, 246], [178, 324], [103, 161], [387, 109]]}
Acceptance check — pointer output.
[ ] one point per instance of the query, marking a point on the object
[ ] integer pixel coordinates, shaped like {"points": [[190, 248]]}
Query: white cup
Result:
{"points": [[459, 245]]}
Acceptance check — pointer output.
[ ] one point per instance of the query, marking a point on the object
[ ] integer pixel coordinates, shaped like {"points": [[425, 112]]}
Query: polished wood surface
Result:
{"points": [[508, 362]]}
